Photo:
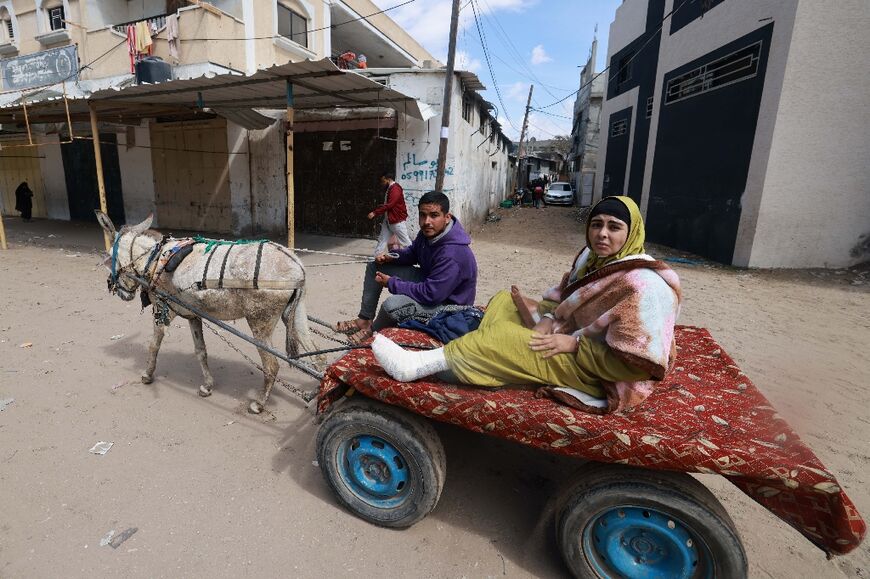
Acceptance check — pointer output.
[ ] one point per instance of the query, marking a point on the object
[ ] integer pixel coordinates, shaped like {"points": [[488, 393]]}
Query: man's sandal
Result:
{"points": [[347, 327], [360, 336]]}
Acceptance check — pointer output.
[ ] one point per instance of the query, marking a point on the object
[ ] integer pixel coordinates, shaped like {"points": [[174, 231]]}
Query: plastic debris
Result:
{"points": [[6, 402], [114, 541], [26, 345], [230, 422], [101, 447], [116, 337], [123, 536], [684, 260], [315, 464]]}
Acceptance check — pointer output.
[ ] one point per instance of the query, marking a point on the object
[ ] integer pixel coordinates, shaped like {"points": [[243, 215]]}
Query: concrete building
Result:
{"points": [[741, 129], [477, 156], [213, 170], [585, 129]]}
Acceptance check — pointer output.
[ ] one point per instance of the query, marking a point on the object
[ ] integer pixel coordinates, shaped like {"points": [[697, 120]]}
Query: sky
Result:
{"points": [[540, 42]]}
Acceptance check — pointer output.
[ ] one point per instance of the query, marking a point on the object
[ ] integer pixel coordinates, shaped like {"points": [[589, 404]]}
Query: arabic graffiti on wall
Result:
{"points": [[419, 171]]}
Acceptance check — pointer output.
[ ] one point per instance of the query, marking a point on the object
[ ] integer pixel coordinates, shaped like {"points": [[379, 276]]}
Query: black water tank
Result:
{"points": [[153, 69]]}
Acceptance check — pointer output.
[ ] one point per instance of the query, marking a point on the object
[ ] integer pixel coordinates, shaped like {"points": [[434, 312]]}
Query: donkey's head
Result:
{"points": [[118, 261]]}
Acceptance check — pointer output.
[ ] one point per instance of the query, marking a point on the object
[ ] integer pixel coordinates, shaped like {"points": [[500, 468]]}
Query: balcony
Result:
{"points": [[209, 41]]}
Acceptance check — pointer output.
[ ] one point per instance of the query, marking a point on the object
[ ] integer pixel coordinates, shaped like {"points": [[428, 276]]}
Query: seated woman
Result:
{"points": [[599, 335]]}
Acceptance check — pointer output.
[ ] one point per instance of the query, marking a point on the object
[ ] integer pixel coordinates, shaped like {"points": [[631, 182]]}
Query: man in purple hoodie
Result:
{"points": [[437, 269]]}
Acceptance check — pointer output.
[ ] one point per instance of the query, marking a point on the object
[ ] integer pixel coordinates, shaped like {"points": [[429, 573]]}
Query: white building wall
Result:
{"points": [[268, 179], [471, 182], [815, 211], [239, 174], [137, 176], [53, 179]]}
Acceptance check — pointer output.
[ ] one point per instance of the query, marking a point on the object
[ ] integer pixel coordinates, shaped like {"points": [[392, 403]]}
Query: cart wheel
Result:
{"points": [[630, 522], [384, 463]]}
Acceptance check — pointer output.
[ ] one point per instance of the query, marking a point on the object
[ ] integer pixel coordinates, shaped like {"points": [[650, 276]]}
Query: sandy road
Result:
{"points": [[213, 491]]}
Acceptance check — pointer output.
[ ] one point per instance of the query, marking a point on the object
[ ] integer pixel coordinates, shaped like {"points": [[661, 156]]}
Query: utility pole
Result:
{"points": [[448, 93], [523, 135]]}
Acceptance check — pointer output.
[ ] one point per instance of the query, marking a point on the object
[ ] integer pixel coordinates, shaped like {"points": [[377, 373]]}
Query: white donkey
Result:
{"points": [[261, 282]]}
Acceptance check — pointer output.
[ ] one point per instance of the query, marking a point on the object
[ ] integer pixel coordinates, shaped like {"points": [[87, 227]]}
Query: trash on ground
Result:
{"points": [[684, 260], [116, 337], [230, 422], [314, 463], [101, 447], [120, 384], [123, 536], [6, 402], [26, 345], [107, 539]]}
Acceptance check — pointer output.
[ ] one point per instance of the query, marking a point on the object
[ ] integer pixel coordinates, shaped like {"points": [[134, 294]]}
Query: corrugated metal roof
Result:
{"points": [[316, 84]]}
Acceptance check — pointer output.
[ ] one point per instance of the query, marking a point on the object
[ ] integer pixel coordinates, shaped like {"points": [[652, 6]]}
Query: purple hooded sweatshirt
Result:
{"points": [[447, 264]]}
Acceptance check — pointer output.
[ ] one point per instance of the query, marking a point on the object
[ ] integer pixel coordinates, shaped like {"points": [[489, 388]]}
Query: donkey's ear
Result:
{"points": [[142, 227], [105, 222]]}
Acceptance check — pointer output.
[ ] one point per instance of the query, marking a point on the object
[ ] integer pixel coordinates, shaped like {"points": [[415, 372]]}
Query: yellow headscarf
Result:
{"points": [[633, 244]]}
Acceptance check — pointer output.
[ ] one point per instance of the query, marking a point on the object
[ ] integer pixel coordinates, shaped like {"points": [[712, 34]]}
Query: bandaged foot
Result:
{"points": [[407, 365]]}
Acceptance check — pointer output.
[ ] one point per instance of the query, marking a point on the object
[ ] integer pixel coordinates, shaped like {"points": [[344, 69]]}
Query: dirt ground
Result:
{"points": [[198, 487]]}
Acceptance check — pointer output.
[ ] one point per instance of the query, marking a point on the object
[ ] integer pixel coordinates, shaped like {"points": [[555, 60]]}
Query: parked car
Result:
{"points": [[560, 193]]}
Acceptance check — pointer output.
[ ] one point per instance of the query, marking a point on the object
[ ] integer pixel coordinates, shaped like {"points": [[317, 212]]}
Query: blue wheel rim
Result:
{"points": [[641, 542], [374, 470]]}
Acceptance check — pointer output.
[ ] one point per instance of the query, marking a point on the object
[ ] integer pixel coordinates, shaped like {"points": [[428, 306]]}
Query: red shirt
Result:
{"points": [[394, 206]]}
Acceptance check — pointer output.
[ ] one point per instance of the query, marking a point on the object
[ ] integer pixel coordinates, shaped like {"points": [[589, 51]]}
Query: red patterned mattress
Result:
{"points": [[705, 417]]}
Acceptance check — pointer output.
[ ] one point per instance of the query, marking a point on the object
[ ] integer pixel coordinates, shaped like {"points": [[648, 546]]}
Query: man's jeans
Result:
{"points": [[394, 307]]}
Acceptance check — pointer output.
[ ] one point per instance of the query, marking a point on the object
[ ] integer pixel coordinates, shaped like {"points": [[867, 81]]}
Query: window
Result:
{"points": [[649, 107], [467, 108], [618, 128], [7, 33], [292, 25], [56, 18], [623, 69], [737, 66]]}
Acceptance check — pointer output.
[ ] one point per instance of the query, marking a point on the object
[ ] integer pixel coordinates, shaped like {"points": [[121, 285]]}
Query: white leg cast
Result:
{"points": [[407, 365]]}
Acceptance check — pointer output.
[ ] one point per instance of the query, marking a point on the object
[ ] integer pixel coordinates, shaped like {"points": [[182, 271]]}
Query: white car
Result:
{"points": [[559, 193]]}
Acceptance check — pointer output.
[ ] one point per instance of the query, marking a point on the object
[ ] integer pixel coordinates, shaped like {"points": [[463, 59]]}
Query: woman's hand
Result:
{"points": [[553, 344]]}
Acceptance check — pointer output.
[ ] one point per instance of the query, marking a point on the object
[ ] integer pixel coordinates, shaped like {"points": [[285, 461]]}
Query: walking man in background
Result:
{"points": [[395, 213]]}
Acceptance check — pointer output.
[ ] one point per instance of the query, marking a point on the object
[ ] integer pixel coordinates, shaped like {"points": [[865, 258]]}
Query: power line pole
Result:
{"points": [[523, 135], [448, 93]]}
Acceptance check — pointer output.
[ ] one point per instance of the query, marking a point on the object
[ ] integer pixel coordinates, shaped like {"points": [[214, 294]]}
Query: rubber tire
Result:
{"points": [[411, 435], [604, 486]]}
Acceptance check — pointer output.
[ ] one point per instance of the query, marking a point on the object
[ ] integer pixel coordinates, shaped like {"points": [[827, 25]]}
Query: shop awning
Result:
{"points": [[316, 85]]}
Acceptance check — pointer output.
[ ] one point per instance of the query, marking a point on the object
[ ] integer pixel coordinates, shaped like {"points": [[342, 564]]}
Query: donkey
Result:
{"points": [[261, 282]]}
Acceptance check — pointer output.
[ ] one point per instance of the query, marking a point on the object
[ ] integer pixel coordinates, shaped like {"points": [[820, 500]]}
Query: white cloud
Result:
{"points": [[428, 21], [517, 91], [465, 61], [539, 55]]}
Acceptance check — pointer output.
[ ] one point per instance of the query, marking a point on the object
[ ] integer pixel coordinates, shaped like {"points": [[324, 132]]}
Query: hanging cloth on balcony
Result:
{"points": [[143, 37], [172, 35], [131, 47]]}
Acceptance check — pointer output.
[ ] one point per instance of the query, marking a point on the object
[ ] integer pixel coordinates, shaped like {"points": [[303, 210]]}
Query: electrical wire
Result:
{"points": [[331, 26], [627, 63], [489, 64], [508, 43]]}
